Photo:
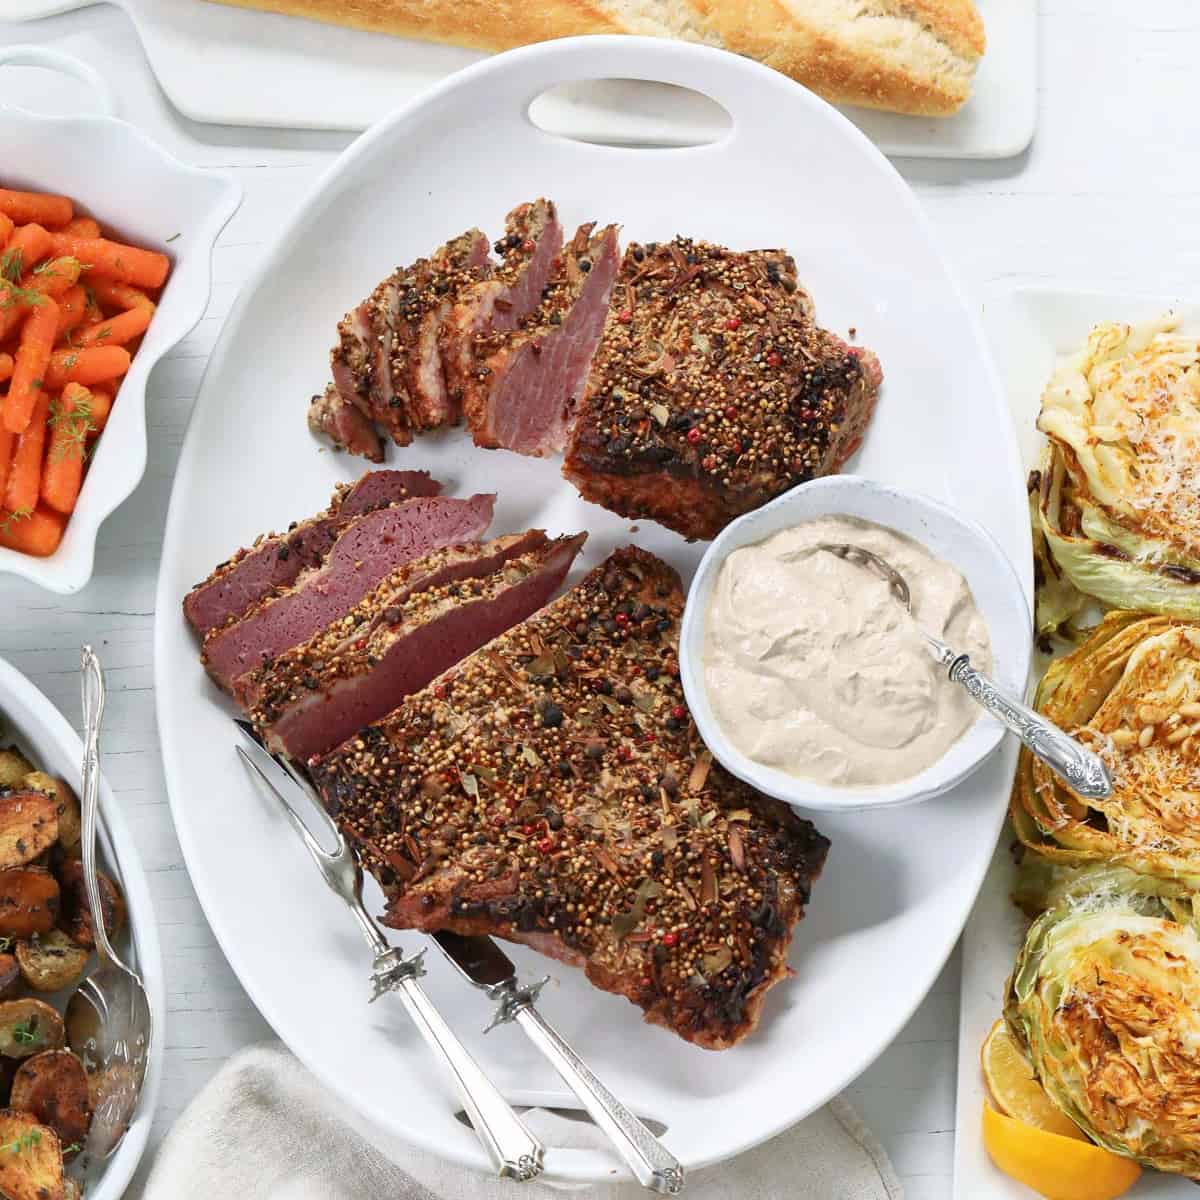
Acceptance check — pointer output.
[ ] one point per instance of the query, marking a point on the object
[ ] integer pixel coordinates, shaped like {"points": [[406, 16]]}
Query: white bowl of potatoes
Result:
{"points": [[45, 950]]}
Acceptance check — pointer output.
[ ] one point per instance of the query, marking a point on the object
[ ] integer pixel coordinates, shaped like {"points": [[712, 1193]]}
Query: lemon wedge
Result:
{"points": [[1056, 1167], [1015, 1091]]}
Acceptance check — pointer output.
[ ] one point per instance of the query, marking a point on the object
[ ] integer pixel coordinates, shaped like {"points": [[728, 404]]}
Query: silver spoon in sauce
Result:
{"points": [[108, 1018], [1082, 770]]}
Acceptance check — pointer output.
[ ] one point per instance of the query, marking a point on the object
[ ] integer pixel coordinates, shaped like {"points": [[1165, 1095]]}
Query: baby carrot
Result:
{"points": [[27, 246], [6, 228], [115, 331], [101, 407], [120, 295], [70, 423], [96, 364], [25, 477], [82, 227], [7, 442], [6, 367], [30, 365], [41, 207], [37, 533], [114, 260], [51, 278], [71, 306]]}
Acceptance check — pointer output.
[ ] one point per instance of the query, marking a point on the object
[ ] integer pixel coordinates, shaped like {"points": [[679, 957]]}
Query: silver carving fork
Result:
{"points": [[516, 1153]]}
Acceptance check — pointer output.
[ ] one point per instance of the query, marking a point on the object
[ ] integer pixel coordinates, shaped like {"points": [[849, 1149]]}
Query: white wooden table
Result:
{"points": [[1108, 195]]}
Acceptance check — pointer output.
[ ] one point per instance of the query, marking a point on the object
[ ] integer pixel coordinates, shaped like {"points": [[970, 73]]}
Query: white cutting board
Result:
{"points": [[230, 66]]}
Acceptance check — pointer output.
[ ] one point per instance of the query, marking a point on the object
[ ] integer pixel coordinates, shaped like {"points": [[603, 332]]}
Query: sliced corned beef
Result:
{"points": [[416, 625], [344, 424], [366, 551], [530, 249], [528, 382], [386, 361], [275, 561]]}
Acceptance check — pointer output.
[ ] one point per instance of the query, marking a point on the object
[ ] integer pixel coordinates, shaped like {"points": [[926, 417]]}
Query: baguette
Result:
{"points": [[909, 56]]}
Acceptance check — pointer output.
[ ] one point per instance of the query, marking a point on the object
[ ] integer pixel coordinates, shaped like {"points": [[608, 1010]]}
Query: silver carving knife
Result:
{"points": [[514, 1151], [482, 961], [485, 965]]}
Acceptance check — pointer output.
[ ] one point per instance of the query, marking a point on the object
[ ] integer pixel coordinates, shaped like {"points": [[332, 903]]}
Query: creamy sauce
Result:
{"points": [[813, 666]]}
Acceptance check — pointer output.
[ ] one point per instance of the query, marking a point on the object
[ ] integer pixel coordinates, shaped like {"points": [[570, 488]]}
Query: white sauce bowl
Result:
{"points": [[968, 547]]}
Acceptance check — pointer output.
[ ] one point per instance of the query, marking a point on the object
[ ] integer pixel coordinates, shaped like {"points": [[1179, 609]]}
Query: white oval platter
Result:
{"points": [[45, 737], [898, 886]]}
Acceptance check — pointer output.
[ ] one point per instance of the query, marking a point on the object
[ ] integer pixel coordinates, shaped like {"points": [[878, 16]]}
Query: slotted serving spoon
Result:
{"points": [[1082, 770], [108, 1019]]}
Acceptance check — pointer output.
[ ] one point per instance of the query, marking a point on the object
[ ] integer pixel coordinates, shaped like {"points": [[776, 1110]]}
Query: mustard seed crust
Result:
{"points": [[552, 789]]}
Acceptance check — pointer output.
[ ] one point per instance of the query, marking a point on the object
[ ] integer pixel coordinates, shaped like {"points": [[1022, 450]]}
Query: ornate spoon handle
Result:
{"points": [[1084, 772]]}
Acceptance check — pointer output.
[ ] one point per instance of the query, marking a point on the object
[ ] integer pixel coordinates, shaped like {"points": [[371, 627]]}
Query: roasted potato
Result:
{"points": [[76, 917], [53, 1086], [10, 972], [49, 962], [70, 820], [28, 1027], [31, 1165], [28, 826], [14, 766], [29, 901]]}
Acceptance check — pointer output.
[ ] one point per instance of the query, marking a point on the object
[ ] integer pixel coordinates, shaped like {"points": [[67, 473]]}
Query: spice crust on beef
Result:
{"points": [[713, 389], [552, 789]]}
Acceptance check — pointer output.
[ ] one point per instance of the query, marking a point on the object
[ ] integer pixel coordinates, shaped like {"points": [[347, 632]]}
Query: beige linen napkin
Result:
{"points": [[263, 1129]]}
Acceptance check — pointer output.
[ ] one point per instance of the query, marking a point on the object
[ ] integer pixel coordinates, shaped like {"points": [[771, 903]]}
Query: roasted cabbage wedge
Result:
{"points": [[1106, 1001], [1131, 691], [1119, 486]]}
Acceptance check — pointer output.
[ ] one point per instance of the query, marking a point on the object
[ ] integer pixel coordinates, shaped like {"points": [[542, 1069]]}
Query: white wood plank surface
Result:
{"points": [[1107, 196]]}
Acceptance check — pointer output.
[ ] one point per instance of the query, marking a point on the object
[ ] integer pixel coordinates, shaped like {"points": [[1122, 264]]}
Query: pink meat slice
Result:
{"points": [[535, 379], [361, 686], [363, 554], [344, 424], [530, 250], [276, 561]]}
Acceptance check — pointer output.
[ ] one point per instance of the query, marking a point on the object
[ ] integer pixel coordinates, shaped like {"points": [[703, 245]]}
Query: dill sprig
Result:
{"points": [[72, 424]]}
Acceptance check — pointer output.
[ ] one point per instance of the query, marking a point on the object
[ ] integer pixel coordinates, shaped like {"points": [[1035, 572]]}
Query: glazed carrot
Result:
{"points": [[51, 278], [83, 227], [93, 312], [96, 364], [101, 407], [37, 533], [71, 306], [7, 442], [70, 423], [6, 228], [45, 209], [6, 367], [115, 331], [27, 246], [25, 477], [114, 260], [120, 296], [30, 365]]}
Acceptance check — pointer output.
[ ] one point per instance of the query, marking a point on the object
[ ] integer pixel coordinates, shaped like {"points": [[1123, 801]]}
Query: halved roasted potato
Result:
{"points": [[29, 1026], [76, 916], [53, 1086], [14, 766], [10, 972], [29, 901], [28, 825], [70, 821], [49, 962], [31, 1165]]}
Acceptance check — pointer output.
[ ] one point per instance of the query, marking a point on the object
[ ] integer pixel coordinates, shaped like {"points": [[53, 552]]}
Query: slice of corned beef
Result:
{"points": [[366, 551], [407, 633], [344, 424], [527, 383], [530, 250], [386, 361], [276, 560]]}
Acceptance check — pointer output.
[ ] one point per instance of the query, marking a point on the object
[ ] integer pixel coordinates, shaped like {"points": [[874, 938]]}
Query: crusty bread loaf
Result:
{"points": [[908, 56]]}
